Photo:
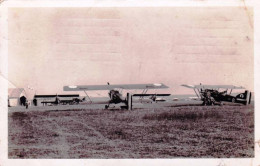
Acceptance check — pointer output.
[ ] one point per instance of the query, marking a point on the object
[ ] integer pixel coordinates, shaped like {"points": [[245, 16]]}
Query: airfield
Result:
{"points": [[156, 130]]}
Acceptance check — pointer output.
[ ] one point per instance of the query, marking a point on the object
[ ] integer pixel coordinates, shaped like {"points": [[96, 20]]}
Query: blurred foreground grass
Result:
{"points": [[188, 131]]}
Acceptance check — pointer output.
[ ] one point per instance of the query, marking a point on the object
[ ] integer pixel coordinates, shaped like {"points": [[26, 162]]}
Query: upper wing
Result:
{"points": [[111, 87], [72, 95], [213, 86], [151, 94], [44, 96], [218, 86], [51, 96], [188, 86]]}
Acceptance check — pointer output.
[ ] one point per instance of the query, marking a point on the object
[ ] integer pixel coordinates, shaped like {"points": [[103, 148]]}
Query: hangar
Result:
{"points": [[15, 95]]}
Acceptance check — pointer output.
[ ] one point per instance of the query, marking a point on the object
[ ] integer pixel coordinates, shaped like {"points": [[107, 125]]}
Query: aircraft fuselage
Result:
{"points": [[115, 97]]}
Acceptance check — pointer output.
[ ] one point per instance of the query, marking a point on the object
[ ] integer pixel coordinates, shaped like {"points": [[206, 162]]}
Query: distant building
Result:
{"points": [[14, 95]]}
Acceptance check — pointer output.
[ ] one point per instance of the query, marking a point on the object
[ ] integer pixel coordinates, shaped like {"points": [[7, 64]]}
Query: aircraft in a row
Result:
{"points": [[209, 94]]}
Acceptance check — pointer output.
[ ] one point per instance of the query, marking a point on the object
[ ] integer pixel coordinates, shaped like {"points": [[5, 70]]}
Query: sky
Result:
{"points": [[52, 47]]}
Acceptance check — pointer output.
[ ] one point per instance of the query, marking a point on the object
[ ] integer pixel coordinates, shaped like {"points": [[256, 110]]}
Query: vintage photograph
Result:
{"points": [[130, 82]]}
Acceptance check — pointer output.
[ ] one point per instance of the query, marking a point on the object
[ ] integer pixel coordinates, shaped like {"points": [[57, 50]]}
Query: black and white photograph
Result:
{"points": [[126, 82]]}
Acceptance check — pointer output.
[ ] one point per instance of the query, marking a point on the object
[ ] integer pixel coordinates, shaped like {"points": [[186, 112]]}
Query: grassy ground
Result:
{"points": [[188, 131]]}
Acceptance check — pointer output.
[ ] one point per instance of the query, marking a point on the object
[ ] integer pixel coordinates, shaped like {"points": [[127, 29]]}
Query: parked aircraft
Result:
{"points": [[115, 92], [57, 99], [152, 97], [212, 94]]}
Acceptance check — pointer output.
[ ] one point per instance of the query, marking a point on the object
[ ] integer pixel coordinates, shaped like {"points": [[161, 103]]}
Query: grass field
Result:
{"points": [[187, 131]]}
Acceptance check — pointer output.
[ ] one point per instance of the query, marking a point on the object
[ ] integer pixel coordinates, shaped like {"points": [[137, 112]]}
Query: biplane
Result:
{"points": [[115, 92], [57, 99], [216, 94], [153, 97]]}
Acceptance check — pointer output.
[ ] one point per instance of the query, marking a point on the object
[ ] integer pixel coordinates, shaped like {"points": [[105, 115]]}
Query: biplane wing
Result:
{"points": [[151, 94], [111, 87], [188, 86], [213, 87]]}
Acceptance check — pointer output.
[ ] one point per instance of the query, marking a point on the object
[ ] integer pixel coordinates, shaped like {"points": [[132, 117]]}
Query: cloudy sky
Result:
{"points": [[52, 47]]}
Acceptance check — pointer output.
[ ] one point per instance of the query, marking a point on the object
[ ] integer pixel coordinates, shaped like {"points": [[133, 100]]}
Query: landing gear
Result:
{"points": [[108, 106], [209, 101], [124, 107]]}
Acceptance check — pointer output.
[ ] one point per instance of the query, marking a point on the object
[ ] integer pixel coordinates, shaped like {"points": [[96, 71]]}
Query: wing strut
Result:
{"points": [[230, 91], [196, 92], [144, 92], [88, 96]]}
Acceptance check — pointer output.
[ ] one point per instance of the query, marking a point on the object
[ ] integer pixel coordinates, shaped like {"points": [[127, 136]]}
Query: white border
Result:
{"points": [[122, 3], [126, 3]]}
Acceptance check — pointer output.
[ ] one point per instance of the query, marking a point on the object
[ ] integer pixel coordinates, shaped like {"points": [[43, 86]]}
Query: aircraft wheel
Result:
{"points": [[233, 100], [106, 106]]}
